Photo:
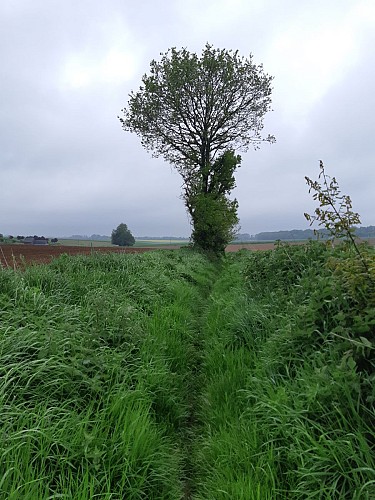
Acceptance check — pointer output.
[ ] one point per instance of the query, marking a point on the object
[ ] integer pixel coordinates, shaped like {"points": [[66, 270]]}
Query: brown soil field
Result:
{"points": [[250, 246], [17, 256]]}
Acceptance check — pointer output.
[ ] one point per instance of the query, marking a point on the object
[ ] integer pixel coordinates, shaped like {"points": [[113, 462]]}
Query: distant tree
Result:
{"points": [[195, 112], [122, 236], [54, 240]]}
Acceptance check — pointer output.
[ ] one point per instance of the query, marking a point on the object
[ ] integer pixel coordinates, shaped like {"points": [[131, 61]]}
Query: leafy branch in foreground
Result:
{"points": [[335, 211]]}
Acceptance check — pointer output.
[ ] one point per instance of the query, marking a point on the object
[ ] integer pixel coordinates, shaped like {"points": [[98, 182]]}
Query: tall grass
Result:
{"points": [[167, 376], [95, 361], [287, 410]]}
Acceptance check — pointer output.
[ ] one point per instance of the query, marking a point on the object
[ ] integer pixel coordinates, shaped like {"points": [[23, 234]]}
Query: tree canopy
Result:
{"points": [[122, 236], [195, 112]]}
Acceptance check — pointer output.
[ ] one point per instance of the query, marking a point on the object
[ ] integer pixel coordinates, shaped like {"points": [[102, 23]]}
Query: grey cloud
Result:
{"points": [[67, 144]]}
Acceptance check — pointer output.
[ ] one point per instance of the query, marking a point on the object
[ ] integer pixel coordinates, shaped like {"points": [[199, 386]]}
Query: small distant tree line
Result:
{"points": [[20, 238]]}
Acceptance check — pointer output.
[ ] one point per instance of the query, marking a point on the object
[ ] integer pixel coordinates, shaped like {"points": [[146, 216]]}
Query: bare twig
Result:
{"points": [[5, 260]]}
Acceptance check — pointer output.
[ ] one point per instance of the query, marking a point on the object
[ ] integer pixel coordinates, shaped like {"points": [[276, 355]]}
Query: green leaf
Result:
{"points": [[351, 363], [366, 342]]}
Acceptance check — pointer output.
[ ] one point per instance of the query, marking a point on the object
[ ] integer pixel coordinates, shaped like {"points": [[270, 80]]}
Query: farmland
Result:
{"points": [[20, 255], [138, 243], [163, 375]]}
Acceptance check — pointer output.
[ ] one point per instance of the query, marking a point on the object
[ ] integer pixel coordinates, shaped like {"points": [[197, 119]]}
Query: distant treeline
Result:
{"points": [[183, 238], [99, 237], [94, 237], [301, 234], [294, 234]]}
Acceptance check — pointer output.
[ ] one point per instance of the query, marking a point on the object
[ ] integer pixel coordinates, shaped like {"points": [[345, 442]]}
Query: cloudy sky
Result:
{"points": [[67, 67]]}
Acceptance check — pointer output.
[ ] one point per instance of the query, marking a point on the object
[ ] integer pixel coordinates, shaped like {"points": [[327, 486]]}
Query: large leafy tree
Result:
{"points": [[195, 112], [122, 236]]}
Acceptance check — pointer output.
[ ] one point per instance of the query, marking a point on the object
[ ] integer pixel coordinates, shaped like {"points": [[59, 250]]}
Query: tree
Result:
{"points": [[122, 236], [195, 112]]}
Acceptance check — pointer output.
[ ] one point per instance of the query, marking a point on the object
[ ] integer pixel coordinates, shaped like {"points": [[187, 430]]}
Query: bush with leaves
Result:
{"points": [[352, 319], [309, 319]]}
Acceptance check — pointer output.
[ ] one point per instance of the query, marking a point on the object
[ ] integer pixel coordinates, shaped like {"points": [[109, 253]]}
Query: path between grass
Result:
{"points": [[165, 376], [99, 362]]}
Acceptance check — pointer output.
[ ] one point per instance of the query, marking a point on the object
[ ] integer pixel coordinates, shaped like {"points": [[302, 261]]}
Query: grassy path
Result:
{"points": [[164, 376], [226, 441], [98, 376], [286, 406]]}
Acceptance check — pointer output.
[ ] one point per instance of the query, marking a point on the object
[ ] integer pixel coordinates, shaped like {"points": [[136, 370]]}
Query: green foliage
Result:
{"points": [[163, 375], [95, 375], [214, 215], [194, 112], [287, 405], [122, 236], [335, 214], [215, 222], [335, 210], [190, 110]]}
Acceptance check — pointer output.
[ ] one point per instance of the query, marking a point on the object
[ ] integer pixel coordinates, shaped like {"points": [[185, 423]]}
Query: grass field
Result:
{"points": [[164, 375], [147, 243], [84, 243], [138, 243]]}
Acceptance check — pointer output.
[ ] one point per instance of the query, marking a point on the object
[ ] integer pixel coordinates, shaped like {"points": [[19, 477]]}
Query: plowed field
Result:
{"points": [[18, 255], [250, 246]]}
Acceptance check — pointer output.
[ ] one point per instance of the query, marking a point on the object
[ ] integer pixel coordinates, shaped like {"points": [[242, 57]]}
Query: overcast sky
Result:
{"points": [[67, 67]]}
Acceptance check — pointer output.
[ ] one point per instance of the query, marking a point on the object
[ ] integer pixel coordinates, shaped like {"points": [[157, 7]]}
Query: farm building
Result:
{"points": [[31, 240]]}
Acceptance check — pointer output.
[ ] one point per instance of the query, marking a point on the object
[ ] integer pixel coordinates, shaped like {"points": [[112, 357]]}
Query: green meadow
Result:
{"points": [[84, 243], [166, 375], [138, 243], [160, 242]]}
